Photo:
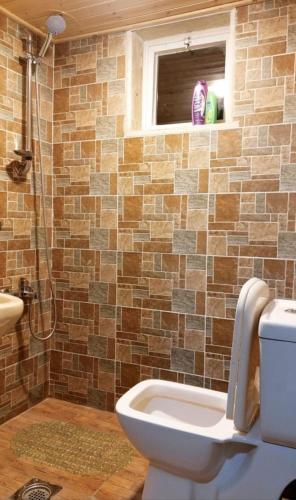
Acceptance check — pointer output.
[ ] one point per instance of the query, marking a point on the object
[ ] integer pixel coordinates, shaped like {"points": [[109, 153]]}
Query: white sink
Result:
{"points": [[11, 309]]}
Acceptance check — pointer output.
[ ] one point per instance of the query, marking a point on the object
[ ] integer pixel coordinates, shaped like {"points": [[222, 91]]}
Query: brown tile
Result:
{"points": [[132, 208], [201, 243], [132, 264], [29, 257], [263, 185], [274, 269], [131, 320], [3, 205], [3, 258], [170, 263], [78, 385], [94, 92], [169, 321], [133, 150], [219, 385], [88, 149], [225, 270], [172, 204], [279, 135], [173, 143], [161, 188], [277, 202], [203, 181], [227, 207], [222, 331], [229, 143], [283, 65], [130, 374], [61, 100]]}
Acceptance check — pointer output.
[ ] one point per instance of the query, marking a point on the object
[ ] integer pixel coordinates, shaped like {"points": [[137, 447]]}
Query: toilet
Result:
{"points": [[207, 445]]}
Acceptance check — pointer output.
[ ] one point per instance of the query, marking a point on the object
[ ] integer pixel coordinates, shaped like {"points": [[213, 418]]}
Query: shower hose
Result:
{"points": [[44, 222]]}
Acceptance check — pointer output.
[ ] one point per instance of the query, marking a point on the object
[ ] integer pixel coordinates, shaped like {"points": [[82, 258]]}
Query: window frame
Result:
{"points": [[152, 49]]}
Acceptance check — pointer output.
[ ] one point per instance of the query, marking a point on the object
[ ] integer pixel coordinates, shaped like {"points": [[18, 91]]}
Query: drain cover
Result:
{"points": [[36, 490]]}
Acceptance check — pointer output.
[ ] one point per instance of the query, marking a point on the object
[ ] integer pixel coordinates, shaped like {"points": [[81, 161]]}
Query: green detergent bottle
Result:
{"points": [[211, 108]]}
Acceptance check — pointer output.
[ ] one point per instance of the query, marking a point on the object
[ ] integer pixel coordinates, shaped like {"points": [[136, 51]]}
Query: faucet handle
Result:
{"points": [[26, 291], [23, 282], [5, 289]]}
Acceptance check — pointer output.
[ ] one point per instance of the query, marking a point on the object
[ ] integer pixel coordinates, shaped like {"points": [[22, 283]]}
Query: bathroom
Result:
{"points": [[153, 227]]}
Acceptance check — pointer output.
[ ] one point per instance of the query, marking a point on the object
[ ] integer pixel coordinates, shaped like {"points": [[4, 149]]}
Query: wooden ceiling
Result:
{"points": [[85, 17]]}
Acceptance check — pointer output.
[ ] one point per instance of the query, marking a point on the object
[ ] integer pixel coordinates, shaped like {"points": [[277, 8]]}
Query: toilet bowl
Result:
{"points": [[203, 444], [182, 429]]}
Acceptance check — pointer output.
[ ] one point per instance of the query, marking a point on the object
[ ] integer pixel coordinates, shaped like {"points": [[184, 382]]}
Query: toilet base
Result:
{"points": [[262, 474], [161, 485]]}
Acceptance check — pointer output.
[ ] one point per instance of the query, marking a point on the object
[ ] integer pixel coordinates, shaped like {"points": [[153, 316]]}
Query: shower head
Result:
{"points": [[55, 24]]}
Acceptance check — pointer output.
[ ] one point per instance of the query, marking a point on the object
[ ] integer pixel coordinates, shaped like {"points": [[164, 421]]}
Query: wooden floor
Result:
{"points": [[14, 472]]}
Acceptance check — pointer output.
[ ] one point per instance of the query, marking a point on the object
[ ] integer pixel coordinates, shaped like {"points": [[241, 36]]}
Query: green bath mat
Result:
{"points": [[73, 448]]}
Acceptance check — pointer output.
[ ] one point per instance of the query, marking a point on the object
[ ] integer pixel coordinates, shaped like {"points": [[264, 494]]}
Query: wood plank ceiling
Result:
{"points": [[85, 17]]}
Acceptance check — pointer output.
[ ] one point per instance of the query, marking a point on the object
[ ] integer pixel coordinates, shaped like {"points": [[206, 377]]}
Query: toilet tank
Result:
{"points": [[277, 334]]}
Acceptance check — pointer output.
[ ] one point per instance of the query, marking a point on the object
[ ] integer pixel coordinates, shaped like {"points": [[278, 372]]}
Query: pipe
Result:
{"points": [[29, 95]]}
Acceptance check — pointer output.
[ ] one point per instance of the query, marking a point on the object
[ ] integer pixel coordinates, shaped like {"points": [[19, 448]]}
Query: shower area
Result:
{"points": [[39, 448], [31, 156], [27, 210]]}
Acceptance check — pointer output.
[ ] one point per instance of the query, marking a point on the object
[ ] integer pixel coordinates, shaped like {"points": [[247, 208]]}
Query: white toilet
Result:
{"points": [[205, 445]]}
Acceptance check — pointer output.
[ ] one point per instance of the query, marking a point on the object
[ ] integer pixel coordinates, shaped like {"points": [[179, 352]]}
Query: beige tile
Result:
{"points": [[269, 97], [263, 231], [161, 229], [272, 28], [159, 286], [86, 61]]}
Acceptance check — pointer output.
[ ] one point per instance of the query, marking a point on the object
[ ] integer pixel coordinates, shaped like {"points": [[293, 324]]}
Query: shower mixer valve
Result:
{"points": [[25, 291]]}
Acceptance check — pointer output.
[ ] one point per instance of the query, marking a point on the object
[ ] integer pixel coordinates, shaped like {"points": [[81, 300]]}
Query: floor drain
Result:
{"points": [[36, 490]]}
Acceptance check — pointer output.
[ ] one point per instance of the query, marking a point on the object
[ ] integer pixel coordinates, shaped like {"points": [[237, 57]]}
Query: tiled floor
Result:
{"points": [[14, 472]]}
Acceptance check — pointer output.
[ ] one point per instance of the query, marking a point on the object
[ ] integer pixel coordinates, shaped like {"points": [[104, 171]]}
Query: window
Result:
{"points": [[164, 64], [177, 74]]}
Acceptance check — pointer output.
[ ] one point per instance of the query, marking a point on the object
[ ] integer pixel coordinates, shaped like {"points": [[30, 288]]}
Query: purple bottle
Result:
{"points": [[199, 102]]}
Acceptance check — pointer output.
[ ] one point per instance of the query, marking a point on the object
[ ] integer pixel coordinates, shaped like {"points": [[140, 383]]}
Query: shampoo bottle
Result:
{"points": [[199, 102], [211, 108]]}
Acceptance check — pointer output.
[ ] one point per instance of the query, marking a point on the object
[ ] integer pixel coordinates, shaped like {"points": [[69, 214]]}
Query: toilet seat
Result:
{"points": [[243, 392]]}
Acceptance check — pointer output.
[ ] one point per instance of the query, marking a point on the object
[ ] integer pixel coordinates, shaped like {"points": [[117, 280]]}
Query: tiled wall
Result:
{"points": [[155, 235], [24, 363]]}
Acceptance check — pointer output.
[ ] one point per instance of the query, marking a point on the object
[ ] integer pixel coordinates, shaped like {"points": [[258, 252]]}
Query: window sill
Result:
{"points": [[180, 128]]}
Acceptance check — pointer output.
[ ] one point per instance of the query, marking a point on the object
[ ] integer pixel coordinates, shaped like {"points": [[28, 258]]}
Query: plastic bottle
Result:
{"points": [[211, 108], [199, 102]]}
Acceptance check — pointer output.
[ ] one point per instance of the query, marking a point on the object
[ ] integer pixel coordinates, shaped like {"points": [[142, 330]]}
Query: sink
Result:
{"points": [[11, 309]]}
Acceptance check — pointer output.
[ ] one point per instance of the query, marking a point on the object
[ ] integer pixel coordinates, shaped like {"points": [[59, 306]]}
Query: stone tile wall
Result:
{"points": [[155, 235], [24, 363]]}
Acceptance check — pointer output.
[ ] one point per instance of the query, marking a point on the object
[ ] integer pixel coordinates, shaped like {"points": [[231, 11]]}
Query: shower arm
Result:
{"points": [[45, 46]]}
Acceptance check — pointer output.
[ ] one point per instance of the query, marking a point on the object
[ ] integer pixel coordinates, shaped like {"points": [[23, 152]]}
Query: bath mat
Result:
{"points": [[73, 448]]}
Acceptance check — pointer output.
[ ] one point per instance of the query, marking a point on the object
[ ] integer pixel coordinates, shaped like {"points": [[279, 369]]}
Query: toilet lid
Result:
{"points": [[243, 394]]}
